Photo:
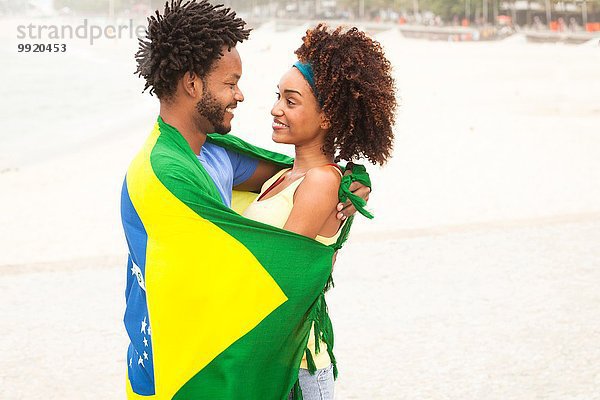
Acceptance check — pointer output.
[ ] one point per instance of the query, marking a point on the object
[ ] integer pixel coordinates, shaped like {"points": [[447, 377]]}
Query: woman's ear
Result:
{"points": [[325, 124]]}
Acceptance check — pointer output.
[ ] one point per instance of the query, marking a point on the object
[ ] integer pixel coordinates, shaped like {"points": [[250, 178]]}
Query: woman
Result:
{"points": [[337, 102]]}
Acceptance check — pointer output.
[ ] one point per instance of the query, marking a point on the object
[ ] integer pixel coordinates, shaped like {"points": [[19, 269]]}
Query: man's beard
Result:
{"points": [[209, 108]]}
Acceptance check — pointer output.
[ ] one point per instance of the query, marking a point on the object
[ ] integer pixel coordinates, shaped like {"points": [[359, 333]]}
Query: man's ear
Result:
{"points": [[192, 85]]}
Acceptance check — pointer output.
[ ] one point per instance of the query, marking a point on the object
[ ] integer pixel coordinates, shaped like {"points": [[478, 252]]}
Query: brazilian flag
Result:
{"points": [[218, 306]]}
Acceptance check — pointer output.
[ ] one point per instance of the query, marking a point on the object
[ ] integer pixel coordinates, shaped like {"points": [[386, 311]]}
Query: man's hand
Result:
{"points": [[347, 209]]}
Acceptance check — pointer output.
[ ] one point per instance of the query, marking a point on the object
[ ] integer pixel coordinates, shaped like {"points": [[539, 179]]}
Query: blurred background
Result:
{"points": [[478, 276], [491, 19]]}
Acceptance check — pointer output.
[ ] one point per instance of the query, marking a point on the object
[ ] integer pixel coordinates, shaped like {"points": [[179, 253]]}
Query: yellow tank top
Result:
{"points": [[275, 211]]}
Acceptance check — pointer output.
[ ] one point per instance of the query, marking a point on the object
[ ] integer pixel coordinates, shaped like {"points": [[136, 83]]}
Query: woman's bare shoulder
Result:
{"points": [[326, 175]]}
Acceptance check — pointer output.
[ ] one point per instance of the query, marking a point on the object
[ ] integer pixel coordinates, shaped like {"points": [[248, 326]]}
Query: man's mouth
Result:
{"points": [[230, 110]]}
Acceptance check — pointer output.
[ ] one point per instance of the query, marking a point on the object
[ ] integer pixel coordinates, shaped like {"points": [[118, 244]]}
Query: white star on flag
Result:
{"points": [[145, 356], [135, 270], [144, 326], [149, 330], [146, 340], [130, 361], [140, 361]]}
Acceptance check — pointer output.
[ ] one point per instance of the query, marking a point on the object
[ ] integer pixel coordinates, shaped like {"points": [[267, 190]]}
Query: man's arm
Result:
{"points": [[264, 170]]}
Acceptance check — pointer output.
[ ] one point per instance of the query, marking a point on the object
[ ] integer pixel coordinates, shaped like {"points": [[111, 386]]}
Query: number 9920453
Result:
{"points": [[41, 48]]}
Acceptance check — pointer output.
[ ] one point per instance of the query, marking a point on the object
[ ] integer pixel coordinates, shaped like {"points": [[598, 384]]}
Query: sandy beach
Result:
{"points": [[478, 278]]}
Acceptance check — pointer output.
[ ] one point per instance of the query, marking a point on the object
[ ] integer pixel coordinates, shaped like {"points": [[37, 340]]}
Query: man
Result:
{"points": [[203, 292]]}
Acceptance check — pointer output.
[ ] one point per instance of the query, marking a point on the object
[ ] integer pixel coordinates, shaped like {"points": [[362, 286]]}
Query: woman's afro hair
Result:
{"points": [[356, 90], [187, 37]]}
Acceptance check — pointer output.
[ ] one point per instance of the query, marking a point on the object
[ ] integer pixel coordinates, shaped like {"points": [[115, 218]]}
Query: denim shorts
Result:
{"points": [[318, 386]]}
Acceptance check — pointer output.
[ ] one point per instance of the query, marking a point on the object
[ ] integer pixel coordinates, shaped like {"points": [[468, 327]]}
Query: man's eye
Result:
{"points": [[291, 103], [278, 95]]}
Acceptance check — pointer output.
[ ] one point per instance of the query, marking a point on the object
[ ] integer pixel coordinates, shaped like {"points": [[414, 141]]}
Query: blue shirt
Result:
{"points": [[226, 168]]}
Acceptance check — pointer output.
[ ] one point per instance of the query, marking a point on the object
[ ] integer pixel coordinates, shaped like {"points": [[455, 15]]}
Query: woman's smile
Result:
{"points": [[278, 125]]}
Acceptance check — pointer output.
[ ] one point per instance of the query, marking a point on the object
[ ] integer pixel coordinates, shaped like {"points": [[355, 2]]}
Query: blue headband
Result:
{"points": [[308, 74]]}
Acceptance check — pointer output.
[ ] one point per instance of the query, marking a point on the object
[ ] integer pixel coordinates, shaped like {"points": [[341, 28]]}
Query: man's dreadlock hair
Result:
{"points": [[188, 37]]}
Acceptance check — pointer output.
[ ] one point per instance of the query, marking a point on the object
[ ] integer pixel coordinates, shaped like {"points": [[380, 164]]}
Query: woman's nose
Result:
{"points": [[276, 110]]}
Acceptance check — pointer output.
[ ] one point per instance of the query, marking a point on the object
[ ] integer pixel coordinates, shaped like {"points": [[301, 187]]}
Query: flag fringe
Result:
{"points": [[323, 331], [297, 391], [310, 361]]}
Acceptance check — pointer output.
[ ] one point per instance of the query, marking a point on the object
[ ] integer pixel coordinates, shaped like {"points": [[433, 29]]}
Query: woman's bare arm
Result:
{"points": [[315, 202]]}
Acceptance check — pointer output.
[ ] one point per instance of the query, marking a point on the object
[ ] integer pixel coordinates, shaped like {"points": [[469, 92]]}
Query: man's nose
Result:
{"points": [[239, 96]]}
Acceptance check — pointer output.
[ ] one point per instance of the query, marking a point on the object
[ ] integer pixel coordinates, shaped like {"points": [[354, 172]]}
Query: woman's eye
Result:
{"points": [[278, 95], [291, 103]]}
